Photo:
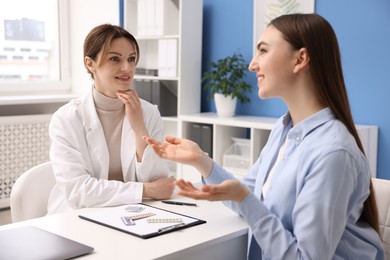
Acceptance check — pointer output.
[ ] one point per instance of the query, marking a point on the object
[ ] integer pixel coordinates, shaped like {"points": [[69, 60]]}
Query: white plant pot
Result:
{"points": [[226, 106]]}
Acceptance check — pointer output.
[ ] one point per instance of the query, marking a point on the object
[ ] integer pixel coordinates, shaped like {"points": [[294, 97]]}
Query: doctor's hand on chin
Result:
{"points": [[134, 114]]}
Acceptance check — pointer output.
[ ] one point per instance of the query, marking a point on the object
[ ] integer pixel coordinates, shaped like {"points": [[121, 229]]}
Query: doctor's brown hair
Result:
{"points": [[99, 40], [314, 33]]}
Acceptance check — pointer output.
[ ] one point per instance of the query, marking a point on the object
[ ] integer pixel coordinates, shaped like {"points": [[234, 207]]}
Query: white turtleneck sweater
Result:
{"points": [[111, 112]]}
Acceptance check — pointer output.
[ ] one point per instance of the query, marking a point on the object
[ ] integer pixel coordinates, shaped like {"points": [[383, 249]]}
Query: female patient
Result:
{"points": [[98, 155], [309, 195]]}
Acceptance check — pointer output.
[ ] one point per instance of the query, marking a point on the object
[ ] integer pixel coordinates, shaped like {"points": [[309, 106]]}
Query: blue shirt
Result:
{"points": [[313, 208]]}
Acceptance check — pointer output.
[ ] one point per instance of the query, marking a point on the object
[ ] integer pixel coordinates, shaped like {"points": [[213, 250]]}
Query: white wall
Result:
{"points": [[84, 15]]}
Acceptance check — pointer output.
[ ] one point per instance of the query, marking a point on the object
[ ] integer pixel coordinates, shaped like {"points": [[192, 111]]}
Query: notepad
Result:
{"points": [[29, 242], [143, 225]]}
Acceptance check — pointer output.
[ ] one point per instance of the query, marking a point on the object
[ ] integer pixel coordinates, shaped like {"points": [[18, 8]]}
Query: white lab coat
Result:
{"points": [[80, 158]]}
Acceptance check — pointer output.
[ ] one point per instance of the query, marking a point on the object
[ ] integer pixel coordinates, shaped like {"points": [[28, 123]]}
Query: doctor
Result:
{"points": [[99, 158]]}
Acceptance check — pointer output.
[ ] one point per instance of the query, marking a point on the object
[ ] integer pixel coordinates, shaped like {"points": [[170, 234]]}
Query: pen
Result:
{"points": [[170, 228], [179, 203]]}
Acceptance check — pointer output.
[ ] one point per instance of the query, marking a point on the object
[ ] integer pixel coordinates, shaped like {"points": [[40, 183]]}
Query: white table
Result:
{"points": [[224, 236]]}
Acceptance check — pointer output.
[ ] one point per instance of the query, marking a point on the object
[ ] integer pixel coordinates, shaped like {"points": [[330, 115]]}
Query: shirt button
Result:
{"points": [[298, 139]]}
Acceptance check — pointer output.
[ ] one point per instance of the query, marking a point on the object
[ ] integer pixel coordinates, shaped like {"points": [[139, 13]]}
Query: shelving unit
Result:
{"points": [[154, 23], [224, 129]]}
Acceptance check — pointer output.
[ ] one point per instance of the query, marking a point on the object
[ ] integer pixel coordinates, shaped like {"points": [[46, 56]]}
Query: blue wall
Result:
{"points": [[363, 30]]}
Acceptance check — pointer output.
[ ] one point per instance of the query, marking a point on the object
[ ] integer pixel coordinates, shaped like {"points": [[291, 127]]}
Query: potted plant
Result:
{"points": [[226, 84]]}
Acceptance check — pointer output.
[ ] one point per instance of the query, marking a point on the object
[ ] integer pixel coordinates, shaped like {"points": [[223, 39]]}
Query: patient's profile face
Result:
{"points": [[273, 63]]}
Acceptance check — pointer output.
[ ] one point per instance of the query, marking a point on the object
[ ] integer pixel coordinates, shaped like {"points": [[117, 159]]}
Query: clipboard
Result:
{"points": [[141, 220]]}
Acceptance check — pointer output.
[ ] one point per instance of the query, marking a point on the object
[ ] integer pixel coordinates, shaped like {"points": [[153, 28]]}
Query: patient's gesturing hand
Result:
{"points": [[182, 151], [175, 149], [228, 190]]}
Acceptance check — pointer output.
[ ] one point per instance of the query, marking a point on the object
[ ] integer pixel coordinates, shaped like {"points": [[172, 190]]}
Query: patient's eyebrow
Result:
{"points": [[260, 44]]}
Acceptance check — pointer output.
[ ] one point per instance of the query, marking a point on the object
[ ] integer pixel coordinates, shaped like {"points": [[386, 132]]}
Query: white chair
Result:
{"points": [[30, 192], [382, 194]]}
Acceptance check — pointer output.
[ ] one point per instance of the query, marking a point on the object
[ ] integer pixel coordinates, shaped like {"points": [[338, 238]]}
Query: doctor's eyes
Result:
{"points": [[118, 59], [131, 59], [114, 58]]}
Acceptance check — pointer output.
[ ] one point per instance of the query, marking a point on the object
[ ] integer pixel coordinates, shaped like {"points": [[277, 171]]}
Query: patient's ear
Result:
{"points": [[302, 60]]}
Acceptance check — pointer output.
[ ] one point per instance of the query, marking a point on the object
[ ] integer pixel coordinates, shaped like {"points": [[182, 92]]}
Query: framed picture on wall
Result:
{"points": [[266, 10]]}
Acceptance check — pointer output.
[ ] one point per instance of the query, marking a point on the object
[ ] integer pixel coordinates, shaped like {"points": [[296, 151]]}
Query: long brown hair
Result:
{"points": [[314, 33], [99, 40]]}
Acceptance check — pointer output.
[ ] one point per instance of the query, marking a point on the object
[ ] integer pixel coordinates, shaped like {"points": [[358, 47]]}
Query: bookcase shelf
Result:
{"points": [[224, 130], [169, 33]]}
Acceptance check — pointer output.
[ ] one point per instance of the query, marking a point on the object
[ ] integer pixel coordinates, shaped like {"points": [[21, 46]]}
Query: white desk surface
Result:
{"points": [[223, 227]]}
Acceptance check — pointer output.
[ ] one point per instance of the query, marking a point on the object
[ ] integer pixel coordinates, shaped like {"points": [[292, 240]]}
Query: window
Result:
{"points": [[34, 54]]}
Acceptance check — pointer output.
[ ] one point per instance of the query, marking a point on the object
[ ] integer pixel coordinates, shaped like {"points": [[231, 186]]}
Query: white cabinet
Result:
{"points": [[369, 136], [169, 33], [256, 129], [224, 130]]}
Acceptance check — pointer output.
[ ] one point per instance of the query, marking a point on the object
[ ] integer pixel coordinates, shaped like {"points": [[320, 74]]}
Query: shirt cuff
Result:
{"points": [[139, 190], [252, 209], [218, 174]]}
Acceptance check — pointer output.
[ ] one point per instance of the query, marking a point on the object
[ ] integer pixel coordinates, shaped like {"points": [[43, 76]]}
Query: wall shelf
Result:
{"points": [[169, 33]]}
